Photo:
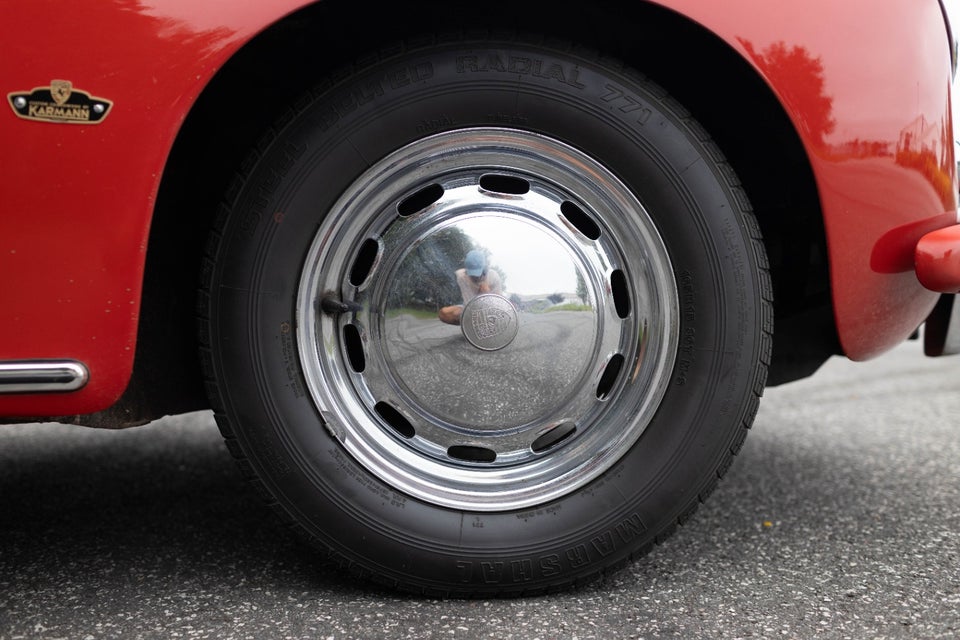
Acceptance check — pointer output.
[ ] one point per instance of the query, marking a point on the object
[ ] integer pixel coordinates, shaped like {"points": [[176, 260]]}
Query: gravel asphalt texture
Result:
{"points": [[840, 518]]}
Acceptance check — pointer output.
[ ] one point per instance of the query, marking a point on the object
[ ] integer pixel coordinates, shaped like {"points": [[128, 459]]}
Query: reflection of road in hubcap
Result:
{"points": [[489, 322]]}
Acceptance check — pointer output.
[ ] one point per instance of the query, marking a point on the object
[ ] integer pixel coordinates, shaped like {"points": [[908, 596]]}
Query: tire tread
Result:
{"points": [[328, 555]]}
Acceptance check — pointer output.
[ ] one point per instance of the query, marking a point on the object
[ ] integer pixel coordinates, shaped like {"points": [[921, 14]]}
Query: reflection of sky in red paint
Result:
{"points": [[953, 10], [208, 15], [872, 50], [859, 44]]}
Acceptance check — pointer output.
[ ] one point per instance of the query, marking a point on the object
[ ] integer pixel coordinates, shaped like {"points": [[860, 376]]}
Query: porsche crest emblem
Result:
{"points": [[60, 102], [60, 90]]}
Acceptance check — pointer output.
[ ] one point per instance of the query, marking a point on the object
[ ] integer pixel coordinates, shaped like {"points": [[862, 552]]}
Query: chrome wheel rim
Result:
{"points": [[548, 380]]}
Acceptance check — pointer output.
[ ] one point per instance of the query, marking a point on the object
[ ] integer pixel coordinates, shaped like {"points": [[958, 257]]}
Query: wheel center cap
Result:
{"points": [[489, 322]]}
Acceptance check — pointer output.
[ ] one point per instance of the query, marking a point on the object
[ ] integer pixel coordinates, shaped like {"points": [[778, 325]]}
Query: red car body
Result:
{"points": [[256, 208], [79, 199]]}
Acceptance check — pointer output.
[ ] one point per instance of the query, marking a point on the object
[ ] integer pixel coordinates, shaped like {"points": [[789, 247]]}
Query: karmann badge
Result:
{"points": [[59, 102]]}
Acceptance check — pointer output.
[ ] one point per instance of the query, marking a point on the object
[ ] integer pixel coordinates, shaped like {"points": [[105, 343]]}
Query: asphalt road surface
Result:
{"points": [[839, 519]]}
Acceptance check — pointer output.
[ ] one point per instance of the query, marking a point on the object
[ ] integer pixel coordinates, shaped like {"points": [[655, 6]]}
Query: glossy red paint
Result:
{"points": [[868, 91], [938, 260], [77, 199]]}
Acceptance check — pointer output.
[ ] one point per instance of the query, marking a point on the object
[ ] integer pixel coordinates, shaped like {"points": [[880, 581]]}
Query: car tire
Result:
{"points": [[571, 420]]}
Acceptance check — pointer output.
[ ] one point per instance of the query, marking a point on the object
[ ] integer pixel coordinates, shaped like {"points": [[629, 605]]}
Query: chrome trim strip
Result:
{"points": [[42, 376]]}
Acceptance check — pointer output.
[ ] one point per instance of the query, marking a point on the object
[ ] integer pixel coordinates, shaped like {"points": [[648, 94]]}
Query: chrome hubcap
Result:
{"points": [[509, 388]]}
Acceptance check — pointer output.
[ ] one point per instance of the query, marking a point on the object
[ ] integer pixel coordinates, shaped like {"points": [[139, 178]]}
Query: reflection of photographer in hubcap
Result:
{"points": [[474, 278]]}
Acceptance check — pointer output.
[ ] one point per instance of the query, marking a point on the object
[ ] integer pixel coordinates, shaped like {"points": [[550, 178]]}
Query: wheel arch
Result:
{"points": [[260, 82]]}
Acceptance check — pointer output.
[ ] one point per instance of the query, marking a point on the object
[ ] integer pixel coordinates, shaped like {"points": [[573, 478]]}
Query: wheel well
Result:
{"points": [[260, 82]]}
